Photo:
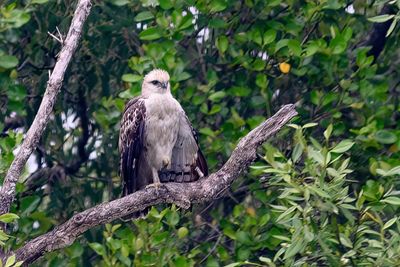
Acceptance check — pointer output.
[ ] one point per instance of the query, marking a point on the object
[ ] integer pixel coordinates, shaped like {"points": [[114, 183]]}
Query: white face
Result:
{"points": [[156, 82]]}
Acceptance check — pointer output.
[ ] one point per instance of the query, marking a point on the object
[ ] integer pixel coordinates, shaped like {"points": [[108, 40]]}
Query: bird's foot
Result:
{"points": [[155, 185], [199, 172]]}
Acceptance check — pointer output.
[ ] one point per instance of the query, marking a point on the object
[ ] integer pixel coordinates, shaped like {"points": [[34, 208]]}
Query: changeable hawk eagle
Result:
{"points": [[157, 143]]}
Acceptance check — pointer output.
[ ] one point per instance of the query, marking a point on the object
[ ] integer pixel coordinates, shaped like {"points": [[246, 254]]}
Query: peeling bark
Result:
{"points": [[180, 194]]}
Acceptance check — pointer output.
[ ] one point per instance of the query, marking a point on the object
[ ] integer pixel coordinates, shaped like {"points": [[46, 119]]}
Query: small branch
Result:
{"points": [[180, 194], [7, 191], [56, 38]]}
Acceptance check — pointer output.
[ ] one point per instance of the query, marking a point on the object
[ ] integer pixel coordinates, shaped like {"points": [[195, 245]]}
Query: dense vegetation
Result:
{"points": [[324, 192]]}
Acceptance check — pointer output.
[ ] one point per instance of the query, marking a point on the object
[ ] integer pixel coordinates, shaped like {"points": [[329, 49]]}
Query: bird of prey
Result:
{"points": [[157, 143]]}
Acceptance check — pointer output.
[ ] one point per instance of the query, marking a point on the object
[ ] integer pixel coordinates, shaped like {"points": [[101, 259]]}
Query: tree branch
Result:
{"points": [[180, 194], [7, 191]]}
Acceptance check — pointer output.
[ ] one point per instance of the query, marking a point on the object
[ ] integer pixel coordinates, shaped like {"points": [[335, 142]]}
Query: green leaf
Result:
{"points": [[261, 80], [285, 213], [294, 248], [389, 223], [393, 171], [312, 48], [207, 131], [269, 36], [338, 45], [173, 217], [166, 4], [186, 22], [3, 236], [142, 16], [217, 5], [294, 126], [309, 125], [319, 192], [182, 76], [343, 146], [217, 23], [316, 155], [259, 64], [239, 91], [217, 96], [243, 237], [391, 200], [381, 18], [235, 264], [182, 232], [222, 44], [8, 217], [256, 37], [39, 1], [120, 2], [392, 26], [345, 241], [131, 78], [8, 62], [150, 34], [281, 44], [297, 151], [265, 259], [385, 137], [328, 132], [98, 248], [115, 227], [10, 261], [295, 47]]}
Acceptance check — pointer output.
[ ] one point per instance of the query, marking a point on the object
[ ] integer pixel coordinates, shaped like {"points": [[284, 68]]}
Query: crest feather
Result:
{"points": [[157, 74]]}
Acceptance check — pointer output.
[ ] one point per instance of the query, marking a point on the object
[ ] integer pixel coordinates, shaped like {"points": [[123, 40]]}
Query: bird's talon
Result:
{"points": [[154, 185]]}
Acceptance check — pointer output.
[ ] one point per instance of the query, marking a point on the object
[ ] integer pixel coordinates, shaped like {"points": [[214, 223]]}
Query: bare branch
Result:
{"points": [[55, 37], [7, 191], [182, 195]]}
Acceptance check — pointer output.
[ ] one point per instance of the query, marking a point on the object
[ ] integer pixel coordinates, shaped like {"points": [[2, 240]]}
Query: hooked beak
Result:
{"points": [[164, 85]]}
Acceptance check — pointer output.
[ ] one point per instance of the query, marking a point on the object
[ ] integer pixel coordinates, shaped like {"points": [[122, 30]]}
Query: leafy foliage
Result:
{"points": [[323, 193]]}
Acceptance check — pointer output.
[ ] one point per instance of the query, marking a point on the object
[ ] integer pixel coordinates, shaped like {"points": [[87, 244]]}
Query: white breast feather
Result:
{"points": [[161, 128]]}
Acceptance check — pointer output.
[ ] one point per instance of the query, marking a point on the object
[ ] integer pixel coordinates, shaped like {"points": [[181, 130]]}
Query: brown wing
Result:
{"points": [[187, 159], [131, 144]]}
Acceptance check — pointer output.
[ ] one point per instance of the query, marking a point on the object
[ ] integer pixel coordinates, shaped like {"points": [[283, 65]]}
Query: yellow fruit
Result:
{"points": [[284, 67], [251, 211]]}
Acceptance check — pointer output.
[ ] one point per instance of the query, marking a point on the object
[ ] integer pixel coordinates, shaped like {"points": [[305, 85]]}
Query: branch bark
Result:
{"points": [[7, 191], [182, 195]]}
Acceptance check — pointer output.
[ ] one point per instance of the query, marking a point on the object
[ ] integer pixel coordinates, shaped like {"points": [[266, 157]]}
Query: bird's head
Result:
{"points": [[156, 82]]}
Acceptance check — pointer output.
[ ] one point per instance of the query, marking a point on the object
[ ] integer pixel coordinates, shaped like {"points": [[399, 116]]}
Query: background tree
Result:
{"points": [[325, 192]]}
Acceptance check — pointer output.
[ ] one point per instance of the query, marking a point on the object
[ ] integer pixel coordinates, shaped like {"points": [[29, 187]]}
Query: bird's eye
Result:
{"points": [[155, 82]]}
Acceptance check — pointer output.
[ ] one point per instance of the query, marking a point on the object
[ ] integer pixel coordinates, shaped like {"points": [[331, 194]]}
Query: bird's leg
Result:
{"points": [[199, 172], [156, 180]]}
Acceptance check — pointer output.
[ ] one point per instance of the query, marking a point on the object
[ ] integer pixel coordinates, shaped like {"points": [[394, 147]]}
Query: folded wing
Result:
{"points": [[131, 144], [187, 163]]}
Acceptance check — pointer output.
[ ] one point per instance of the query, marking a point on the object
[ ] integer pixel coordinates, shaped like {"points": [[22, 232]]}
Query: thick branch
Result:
{"points": [[7, 191], [181, 194]]}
